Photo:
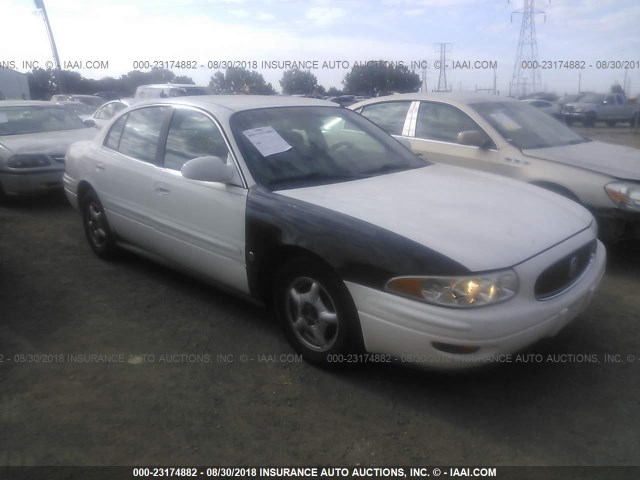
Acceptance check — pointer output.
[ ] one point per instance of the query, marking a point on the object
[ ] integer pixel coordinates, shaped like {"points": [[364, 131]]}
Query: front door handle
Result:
{"points": [[100, 166], [162, 189]]}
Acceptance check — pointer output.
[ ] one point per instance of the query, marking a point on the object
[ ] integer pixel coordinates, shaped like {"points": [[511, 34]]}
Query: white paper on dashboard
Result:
{"points": [[267, 140]]}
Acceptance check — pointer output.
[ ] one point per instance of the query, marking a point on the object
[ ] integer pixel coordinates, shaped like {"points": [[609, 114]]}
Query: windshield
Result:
{"points": [[79, 108], [190, 91], [89, 100], [592, 98], [525, 127], [293, 147], [29, 119]]}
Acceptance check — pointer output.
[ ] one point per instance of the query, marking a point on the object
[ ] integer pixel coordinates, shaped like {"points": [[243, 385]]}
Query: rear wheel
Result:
{"points": [[316, 311], [96, 227]]}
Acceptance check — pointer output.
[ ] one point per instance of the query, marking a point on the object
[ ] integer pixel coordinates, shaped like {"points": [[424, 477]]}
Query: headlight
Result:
{"points": [[624, 195], [459, 292], [28, 161]]}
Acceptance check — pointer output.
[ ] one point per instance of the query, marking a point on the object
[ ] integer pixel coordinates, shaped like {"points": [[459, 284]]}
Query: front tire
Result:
{"points": [[316, 311], [590, 120], [96, 227]]}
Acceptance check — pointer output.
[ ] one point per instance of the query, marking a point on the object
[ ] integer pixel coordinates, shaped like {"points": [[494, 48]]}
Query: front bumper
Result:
{"points": [[618, 224], [579, 116], [30, 182], [407, 329]]}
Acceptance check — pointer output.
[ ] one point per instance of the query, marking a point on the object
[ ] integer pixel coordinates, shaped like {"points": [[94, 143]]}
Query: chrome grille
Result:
{"points": [[565, 272]]}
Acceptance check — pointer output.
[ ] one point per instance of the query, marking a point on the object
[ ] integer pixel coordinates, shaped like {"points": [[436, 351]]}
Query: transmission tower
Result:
{"points": [[527, 51], [442, 79]]}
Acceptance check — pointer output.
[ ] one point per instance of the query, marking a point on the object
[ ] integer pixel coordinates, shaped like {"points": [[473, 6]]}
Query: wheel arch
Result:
{"points": [[84, 187], [274, 259], [557, 188]]}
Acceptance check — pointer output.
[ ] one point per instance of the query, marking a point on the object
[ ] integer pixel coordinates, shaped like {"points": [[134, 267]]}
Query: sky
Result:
{"points": [[591, 33]]}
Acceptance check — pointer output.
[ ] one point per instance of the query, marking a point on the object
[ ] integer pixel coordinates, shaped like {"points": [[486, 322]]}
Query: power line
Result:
{"points": [[527, 52], [442, 79]]}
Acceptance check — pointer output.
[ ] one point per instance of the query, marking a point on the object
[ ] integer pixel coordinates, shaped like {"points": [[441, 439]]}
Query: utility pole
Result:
{"points": [[54, 50], [442, 79], [579, 83], [527, 51]]}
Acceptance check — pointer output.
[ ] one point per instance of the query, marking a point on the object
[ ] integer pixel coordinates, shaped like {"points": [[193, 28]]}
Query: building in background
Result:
{"points": [[13, 85]]}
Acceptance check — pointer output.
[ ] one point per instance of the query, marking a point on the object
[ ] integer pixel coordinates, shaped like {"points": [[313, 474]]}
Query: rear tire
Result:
{"points": [[99, 235], [316, 311]]}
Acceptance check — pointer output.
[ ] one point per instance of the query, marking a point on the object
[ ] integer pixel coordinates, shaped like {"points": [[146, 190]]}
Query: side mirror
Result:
{"points": [[473, 138], [208, 169], [89, 122]]}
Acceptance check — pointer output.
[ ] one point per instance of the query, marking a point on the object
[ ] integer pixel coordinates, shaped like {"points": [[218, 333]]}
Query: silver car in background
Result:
{"points": [[34, 137], [107, 111], [508, 137]]}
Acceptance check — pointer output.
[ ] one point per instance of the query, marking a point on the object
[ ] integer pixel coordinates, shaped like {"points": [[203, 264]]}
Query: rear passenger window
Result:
{"points": [[192, 134], [113, 137], [388, 115], [141, 133]]}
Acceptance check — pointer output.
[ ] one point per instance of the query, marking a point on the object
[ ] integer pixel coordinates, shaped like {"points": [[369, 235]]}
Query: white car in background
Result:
{"points": [[169, 90], [550, 108], [508, 137], [34, 137], [107, 111], [360, 245]]}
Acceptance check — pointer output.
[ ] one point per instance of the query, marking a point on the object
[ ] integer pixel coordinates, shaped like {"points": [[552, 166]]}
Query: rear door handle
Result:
{"points": [[100, 166], [162, 189]]}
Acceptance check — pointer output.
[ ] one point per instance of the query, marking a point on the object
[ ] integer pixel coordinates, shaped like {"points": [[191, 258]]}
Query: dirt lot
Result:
{"points": [[164, 389]]}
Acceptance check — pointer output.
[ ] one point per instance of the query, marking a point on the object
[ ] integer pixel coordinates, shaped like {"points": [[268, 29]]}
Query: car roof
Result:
{"points": [[180, 85], [237, 103], [453, 98], [28, 103]]}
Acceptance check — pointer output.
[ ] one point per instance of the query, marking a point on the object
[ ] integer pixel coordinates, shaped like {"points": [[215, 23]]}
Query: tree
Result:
{"points": [[298, 82], [334, 92], [184, 79], [41, 83], [240, 80], [376, 77], [617, 88]]}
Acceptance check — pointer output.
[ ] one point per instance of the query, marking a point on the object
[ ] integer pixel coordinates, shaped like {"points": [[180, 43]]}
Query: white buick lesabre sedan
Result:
{"points": [[358, 244]]}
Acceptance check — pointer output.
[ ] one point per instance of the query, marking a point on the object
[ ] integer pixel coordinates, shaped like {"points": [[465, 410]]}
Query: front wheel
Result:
{"points": [[316, 311], [96, 227]]}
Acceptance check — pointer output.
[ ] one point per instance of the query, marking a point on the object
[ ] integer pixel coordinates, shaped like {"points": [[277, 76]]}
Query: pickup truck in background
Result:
{"points": [[592, 108]]}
